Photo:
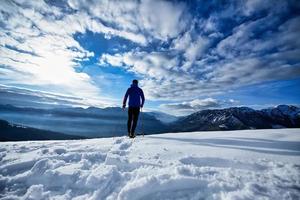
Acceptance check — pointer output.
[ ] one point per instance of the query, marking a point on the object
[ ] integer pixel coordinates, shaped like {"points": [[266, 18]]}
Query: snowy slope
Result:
{"points": [[252, 164]]}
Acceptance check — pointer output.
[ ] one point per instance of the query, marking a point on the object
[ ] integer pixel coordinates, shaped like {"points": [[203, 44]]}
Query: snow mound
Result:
{"points": [[253, 164]]}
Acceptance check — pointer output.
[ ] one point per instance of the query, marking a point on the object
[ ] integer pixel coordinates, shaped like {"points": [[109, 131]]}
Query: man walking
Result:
{"points": [[136, 101]]}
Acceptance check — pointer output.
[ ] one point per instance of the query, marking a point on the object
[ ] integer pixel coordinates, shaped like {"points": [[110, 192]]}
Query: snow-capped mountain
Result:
{"points": [[237, 118], [109, 122], [284, 115], [249, 164]]}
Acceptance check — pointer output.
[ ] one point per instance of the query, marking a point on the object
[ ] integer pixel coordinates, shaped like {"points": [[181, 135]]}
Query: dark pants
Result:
{"points": [[133, 115]]}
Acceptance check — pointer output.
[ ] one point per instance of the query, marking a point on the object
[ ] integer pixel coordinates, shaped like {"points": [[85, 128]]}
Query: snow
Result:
{"points": [[250, 164]]}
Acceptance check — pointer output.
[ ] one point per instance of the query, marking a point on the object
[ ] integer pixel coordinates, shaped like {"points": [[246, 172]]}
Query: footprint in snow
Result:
{"points": [[125, 145], [119, 140], [60, 151], [44, 151], [121, 144]]}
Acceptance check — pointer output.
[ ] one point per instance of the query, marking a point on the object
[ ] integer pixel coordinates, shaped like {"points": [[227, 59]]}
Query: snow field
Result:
{"points": [[254, 164]]}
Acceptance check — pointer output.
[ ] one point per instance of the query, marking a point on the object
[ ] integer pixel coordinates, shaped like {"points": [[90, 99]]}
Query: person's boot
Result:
{"points": [[132, 135]]}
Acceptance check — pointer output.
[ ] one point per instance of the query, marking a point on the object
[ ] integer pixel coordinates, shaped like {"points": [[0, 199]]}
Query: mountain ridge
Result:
{"points": [[111, 121], [238, 118], [90, 122]]}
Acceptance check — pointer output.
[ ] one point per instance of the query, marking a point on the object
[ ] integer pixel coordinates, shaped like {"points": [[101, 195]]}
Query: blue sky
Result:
{"points": [[187, 55]]}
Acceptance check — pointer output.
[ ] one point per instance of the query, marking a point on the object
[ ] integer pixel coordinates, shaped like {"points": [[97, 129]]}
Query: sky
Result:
{"points": [[187, 55]]}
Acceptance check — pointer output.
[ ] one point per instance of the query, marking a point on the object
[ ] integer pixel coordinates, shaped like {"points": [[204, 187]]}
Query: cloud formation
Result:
{"points": [[37, 49], [183, 51], [38, 46], [211, 57], [187, 107]]}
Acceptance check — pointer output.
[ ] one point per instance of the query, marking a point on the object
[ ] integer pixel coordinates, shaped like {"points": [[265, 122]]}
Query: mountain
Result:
{"points": [[248, 164], [236, 118], [284, 115], [13, 132], [163, 117], [89, 122], [111, 121]]}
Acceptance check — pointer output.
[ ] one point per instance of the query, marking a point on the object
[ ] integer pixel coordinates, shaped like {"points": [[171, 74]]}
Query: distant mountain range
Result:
{"points": [[89, 122], [237, 118], [163, 117], [13, 132], [108, 122]]}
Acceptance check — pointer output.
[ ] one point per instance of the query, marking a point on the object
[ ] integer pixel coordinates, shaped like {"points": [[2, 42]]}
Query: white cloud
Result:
{"points": [[38, 48], [196, 49], [187, 107], [163, 19], [160, 73], [183, 42], [40, 51], [191, 59], [200, 103], [192, 47], [154, 65], [246, 61], [159, 19], [250, 7], [52, 53], [121, 14]]}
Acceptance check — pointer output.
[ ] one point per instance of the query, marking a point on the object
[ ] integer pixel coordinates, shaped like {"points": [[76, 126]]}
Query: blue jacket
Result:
{"points": [[135, 94]]}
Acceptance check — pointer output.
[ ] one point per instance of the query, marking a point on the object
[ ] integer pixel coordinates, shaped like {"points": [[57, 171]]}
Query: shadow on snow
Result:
{"points": [[288, 148]]}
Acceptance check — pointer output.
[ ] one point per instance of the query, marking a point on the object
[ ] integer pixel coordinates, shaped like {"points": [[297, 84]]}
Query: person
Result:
{"points": [[136, 102]]}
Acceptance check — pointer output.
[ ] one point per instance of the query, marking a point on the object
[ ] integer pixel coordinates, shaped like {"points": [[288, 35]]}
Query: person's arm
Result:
{"points": [[125, 98], [143, 98]]}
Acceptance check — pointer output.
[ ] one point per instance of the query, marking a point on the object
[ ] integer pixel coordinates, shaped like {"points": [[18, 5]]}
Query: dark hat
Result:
{"points": [[135, 81]]}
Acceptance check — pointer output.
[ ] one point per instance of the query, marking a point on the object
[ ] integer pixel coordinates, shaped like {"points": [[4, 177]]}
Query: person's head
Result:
{"points": [[135, 82]]}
